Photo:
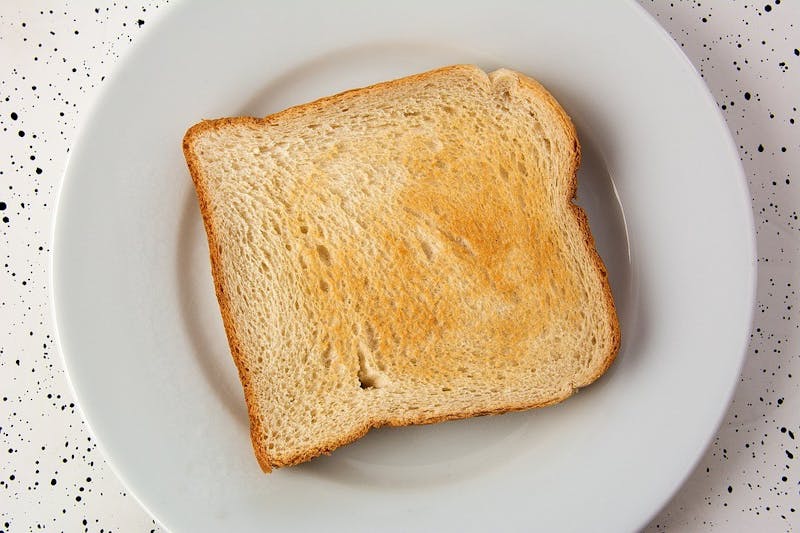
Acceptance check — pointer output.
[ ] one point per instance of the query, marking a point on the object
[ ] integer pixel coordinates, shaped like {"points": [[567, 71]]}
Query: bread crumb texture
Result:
{"points": [[401, 254]]}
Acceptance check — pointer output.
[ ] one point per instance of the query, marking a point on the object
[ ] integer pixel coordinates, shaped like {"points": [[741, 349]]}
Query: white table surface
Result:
{"points": [[55, 55]]}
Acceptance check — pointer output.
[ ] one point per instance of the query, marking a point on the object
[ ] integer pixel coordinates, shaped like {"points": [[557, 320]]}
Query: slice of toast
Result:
{"points": [[404, 253]]}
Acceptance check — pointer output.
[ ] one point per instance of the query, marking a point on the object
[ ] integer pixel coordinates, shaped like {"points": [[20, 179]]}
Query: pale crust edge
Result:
{"points": [[262, 454]]}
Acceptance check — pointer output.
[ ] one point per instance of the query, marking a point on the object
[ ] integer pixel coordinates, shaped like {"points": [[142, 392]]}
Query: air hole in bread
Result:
{"points": [[324, 254], [426, 249], [326, 354], [366, 381], [369, 377], [464, 243]]}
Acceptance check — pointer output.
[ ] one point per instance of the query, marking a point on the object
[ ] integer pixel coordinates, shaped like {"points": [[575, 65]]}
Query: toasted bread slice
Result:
{"points": [[404, 253]]}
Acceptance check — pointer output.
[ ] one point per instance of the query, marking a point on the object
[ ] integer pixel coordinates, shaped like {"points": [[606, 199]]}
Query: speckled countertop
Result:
{"points": [[55, 55]]}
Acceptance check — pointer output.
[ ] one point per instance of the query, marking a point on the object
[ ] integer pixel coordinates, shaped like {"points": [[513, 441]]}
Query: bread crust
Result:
{"points": [[260, 447], [583, 222]]}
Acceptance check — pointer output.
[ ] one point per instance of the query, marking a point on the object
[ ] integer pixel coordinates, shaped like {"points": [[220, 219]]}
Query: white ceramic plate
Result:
{"points": [[143, 341]]}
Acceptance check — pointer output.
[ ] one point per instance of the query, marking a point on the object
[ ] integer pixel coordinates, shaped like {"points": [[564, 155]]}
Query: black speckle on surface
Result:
{"points": [[52, 63], [747, 56], [750, 57]]}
